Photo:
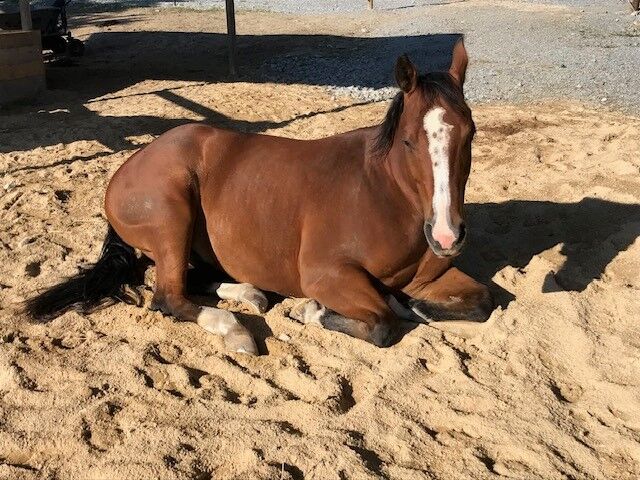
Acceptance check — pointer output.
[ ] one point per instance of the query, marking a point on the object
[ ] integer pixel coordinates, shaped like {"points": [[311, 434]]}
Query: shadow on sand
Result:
{"points": [[592, 232], [115, 61]]}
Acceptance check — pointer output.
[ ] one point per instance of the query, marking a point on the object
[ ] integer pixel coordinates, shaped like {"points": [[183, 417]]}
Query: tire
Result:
{"points": [[76, 47]]}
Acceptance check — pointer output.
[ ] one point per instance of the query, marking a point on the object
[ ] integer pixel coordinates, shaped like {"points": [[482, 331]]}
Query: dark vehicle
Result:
{"points": [[50, 17]]}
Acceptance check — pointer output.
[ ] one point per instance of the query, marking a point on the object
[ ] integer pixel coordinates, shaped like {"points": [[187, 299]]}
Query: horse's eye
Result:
{"points": [[407, 143]]}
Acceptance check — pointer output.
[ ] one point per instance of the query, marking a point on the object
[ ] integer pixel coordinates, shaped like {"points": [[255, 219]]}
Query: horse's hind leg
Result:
{"points": [[171, 267], [166, 239], [452, 296]]}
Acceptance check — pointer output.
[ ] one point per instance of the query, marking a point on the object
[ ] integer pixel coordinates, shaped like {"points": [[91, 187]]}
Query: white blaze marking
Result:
{"points": [[438, 133]]}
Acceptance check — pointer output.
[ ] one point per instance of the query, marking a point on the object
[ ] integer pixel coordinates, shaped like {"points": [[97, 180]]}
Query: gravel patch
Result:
{"points": [[286, 6], [520, 50], [360, 67], [311, 7], [590, 53]]}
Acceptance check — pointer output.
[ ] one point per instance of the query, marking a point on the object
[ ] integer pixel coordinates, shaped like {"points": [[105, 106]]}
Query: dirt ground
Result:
{"points": [[549, 387]]}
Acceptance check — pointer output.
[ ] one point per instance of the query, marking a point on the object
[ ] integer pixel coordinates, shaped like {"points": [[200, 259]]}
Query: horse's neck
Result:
{"points": [[391, 176]]}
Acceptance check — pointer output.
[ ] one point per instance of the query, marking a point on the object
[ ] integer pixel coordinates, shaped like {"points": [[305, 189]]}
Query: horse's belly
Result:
{"points": [[254, 251]]}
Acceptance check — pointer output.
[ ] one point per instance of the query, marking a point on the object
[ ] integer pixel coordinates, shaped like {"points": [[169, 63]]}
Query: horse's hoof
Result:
{"points": [[426, 312], [485, 307], [221, 322], [158, 305], [298, 309], [476, 308], [382, 335], [245, 293], [241, 342], [307, 311], [257, 300]]}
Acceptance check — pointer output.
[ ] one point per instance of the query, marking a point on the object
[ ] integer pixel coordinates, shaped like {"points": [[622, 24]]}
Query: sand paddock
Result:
{"points": [[549, 387]]}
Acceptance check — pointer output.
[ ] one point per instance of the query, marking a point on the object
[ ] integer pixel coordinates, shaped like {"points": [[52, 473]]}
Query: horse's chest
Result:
{"points": [[396, 257]]}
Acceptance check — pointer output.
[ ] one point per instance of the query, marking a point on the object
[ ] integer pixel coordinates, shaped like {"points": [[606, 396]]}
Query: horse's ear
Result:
{"points": [[406, 74], [459, 62]]}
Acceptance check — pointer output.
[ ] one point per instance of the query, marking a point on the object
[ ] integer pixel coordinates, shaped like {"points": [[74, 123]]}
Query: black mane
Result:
{"points": [[434, 85]]}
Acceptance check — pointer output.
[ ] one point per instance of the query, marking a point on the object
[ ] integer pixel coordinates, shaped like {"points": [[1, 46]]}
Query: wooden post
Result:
{"points": [[21, 66], [231, 36], [370, 4], [25, 15]]}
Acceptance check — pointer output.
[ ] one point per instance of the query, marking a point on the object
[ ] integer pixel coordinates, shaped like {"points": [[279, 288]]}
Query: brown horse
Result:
{"points": [[352, 222]]}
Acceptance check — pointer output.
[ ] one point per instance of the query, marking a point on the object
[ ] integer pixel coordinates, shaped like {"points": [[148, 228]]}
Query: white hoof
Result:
{"points": [[257, 300], [240, 341], [221, 322], [244, 292], [307, 311]]}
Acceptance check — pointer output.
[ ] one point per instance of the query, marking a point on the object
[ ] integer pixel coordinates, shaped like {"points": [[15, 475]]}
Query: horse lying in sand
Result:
{"points": [[350, 222]]}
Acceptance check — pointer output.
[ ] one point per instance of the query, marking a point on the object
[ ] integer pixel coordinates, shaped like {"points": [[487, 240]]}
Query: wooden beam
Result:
{"points": [[231, 36], [25, 15]]}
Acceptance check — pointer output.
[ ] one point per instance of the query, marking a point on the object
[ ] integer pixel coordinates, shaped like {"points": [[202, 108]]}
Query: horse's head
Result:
{"points": [[433, 135]]}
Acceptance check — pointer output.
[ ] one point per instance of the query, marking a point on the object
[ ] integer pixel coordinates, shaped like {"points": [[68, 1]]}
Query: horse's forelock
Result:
{"points": [[434, 86]]}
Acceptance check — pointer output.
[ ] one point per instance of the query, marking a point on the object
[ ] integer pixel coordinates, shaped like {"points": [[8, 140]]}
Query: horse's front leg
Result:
{"points": [[343, 299], [452, 296]]}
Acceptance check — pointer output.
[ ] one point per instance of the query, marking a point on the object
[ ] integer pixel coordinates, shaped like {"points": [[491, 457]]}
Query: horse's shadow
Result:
{"points": [[592, 232]]}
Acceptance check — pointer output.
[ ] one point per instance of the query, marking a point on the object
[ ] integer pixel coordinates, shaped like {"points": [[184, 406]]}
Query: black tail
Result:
{"points": [[93, 287]]}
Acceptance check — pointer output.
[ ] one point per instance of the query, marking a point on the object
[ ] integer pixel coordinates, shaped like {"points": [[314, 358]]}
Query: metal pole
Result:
{"points": [[231, 35], [25, 15]]}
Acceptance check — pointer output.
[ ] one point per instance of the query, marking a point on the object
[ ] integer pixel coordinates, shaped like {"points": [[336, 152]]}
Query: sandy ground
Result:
{"points": [[549, 387]]}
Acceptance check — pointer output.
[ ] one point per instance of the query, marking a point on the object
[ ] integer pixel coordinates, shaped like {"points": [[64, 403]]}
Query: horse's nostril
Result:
{"points": [[445, 240]]}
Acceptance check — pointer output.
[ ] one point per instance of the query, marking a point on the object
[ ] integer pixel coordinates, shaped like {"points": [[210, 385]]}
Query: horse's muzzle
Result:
{"points": [[453, 248]]}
